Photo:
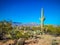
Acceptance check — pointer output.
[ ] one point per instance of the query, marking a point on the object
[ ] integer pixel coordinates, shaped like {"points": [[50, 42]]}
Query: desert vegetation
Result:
{"points": [[9, 33]]}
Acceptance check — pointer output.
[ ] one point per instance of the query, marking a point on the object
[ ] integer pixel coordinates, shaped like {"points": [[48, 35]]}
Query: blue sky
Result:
{"points": [[27, 11]]}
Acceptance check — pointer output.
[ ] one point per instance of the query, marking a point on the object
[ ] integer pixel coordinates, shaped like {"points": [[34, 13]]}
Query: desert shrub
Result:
{"points": [[19, 34], [16, 34], [53, 30], [5, 28], [54, 42]]}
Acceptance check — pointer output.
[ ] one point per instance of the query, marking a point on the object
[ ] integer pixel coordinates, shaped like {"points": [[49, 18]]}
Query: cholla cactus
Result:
{"points": [[54, 42]]}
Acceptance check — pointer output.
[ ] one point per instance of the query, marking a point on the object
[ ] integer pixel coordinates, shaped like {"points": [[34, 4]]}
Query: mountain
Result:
{"points": [[31, 24], [16, 24], [22, 24]]}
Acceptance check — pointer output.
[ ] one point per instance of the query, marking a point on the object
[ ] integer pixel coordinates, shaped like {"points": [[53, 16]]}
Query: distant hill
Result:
{"points": [[17, 23], [31, 24], [22, 24]]}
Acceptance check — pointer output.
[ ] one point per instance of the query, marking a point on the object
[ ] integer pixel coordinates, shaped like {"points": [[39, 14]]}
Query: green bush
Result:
{"points": [[19, 34], [5, 28], [54, 30]]}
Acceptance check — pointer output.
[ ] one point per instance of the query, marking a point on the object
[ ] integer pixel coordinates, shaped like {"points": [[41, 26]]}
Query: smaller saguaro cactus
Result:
{"points": [[21, 41]]}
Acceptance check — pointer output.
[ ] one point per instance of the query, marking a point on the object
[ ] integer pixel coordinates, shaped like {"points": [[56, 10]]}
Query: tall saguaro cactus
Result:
{"points": [[42, 19]]}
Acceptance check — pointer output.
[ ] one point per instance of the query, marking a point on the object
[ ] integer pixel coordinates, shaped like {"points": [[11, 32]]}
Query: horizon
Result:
{"points": [[30, 11]]}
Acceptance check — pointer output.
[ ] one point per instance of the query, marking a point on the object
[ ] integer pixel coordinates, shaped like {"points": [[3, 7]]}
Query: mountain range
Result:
{"points": [[24, 24]]}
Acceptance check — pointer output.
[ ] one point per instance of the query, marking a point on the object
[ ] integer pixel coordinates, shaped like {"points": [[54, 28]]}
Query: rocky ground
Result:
{"points": [[44, 40]]}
